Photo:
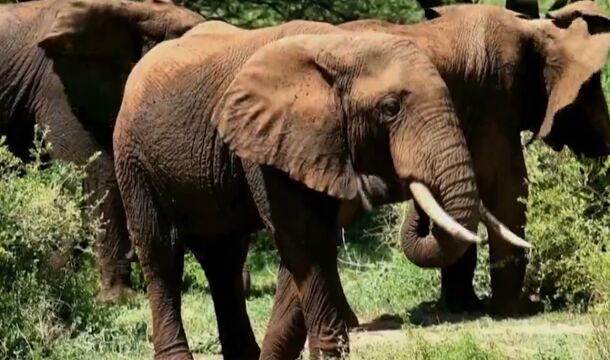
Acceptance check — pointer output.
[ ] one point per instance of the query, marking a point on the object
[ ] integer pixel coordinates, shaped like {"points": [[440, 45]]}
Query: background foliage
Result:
{"points": [[41, 213]]}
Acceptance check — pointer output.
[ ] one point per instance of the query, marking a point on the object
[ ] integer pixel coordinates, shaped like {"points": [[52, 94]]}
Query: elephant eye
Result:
{"points": [[390, 107]]}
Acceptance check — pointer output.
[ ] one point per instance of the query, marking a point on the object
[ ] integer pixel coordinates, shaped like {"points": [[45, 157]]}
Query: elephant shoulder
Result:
{"points": [[186, 64], [214, 27], [368, 25]]}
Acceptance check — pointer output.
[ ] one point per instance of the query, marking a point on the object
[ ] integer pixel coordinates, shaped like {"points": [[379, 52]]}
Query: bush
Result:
{"points": [[41, 211], [568, 217]]}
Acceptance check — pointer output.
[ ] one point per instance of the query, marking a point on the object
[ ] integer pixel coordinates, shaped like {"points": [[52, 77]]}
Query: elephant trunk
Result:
{"points": [[432, 249], [449, 172]]}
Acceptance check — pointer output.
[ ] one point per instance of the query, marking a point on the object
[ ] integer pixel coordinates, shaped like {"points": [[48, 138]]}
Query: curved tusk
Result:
{"points": [[504, 232], [426, 201]]}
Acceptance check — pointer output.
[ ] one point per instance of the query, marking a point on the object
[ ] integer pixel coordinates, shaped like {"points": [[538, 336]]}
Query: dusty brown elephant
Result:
{"points": [[562, 15], [542, 78], [63, 65], [524, 75], [532, 75], [225, 131]]}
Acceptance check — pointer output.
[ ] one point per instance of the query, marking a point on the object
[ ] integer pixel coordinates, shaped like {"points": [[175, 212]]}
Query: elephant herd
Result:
{"points": [[209, 132]]}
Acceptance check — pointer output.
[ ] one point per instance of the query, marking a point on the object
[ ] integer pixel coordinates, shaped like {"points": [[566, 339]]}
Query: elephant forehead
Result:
{"points": [[394, 77]]}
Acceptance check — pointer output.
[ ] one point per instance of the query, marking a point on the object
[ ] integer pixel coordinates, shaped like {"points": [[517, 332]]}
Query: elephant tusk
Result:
{"points": [[430, 206], [501, 229]]}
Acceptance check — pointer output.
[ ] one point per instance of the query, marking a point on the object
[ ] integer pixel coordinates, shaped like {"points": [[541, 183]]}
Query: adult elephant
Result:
{"points": [[562, 16], [506, 74], [225, 131], [63, 65]]}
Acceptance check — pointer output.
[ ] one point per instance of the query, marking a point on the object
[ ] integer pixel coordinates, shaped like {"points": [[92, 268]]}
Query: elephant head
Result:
{"points": [[576, 113], [553, 75], [597, 20], [559, 63], [86, 26], [334, 110], [93, 45]]}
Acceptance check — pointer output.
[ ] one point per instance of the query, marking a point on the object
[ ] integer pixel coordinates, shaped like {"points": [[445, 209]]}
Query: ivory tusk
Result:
{"points": [[504, 232], [430, 206]]}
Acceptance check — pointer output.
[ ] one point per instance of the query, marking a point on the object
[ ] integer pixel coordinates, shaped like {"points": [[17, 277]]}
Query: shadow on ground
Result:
{"points": [[382, 322], [432, 313]]}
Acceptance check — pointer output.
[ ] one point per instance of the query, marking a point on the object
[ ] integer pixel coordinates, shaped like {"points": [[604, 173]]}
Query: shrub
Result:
{"points": [[41, 211], [568, 217]]}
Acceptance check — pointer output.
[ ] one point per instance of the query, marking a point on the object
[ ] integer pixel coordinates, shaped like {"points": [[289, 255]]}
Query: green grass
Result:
{"points": [[390, 286]]}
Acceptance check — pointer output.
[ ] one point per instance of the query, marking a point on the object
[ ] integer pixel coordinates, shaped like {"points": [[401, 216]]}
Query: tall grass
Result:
{"points": [[41, 212]]}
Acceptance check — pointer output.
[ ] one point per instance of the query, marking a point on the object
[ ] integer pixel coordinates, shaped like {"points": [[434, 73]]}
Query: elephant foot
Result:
{"points": [[115, 279], [349, 317], [514, 308], [183, 355], [462, 303], [116, 294], [131, 256], [329, 350], [253, 354]]}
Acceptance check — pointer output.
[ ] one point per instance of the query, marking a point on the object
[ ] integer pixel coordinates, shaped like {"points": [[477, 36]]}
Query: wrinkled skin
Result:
{"points": [[522, 75], [263, 128], [63, 65]]}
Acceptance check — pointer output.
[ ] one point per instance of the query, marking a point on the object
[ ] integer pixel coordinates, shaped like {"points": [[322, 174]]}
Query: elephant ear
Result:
{"points": [[573, 59], [90, 26], [282, 110], [596, 18]]}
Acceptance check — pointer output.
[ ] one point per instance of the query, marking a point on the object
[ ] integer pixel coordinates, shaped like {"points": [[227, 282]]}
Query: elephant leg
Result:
{"points": [[305, 230], [317, 281], [113, 248], [507, 262], [222, 260], [161, 256], [457, 290], [72, 142], [246, 279], [286, 332], [347, 313]]}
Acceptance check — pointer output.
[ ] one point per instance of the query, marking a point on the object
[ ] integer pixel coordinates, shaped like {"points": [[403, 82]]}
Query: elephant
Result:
{"points": [[563, 104], [561, 15], [522, 75], [226, 131], [64, 64], [542, 78]]}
